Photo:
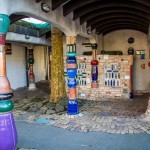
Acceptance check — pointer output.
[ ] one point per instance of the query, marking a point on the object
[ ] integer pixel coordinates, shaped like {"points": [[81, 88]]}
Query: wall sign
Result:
{"points": [[127, 77], [140, 52], [142, 56], [106, 57], [143, 66]]}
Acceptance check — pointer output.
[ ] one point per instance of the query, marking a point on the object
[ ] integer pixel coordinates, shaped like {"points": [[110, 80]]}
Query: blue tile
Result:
{"points": [[42, 120]]}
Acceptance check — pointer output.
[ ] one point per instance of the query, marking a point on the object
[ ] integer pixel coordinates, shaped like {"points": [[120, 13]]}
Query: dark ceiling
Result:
{"points": [[108, 15], [105, 15]]}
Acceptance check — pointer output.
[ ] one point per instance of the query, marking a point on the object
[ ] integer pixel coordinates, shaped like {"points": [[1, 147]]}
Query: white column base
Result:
{"points": [[32, 86]]}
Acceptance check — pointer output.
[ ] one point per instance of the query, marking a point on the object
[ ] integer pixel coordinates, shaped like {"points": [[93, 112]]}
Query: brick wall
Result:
{"points": [[86, 92]]}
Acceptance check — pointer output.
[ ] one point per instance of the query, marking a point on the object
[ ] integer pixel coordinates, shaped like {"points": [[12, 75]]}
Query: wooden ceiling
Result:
{"points": [[108, 15], [105, 15]]}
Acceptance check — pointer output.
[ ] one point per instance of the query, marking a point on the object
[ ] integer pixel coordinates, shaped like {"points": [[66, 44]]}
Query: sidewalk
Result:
{"points": [[42, 137]]}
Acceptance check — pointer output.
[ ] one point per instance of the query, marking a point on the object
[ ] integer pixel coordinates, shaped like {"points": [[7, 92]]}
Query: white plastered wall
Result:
{"points": [[118, 40], [16, 70], [39, 63], [16, 65]]}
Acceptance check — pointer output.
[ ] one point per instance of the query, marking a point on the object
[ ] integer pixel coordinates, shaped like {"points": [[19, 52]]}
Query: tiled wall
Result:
{"points": [[85, 91]]}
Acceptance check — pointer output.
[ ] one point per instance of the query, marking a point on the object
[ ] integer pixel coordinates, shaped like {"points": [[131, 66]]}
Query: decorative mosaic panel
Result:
{"points": [[81, 74], [112, 74]]}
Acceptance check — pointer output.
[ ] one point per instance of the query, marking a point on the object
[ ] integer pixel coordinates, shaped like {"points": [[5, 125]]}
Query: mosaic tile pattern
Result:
{"points": [[81, 74]]}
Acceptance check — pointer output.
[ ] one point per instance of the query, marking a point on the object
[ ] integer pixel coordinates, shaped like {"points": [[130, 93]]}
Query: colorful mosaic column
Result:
{"points": [[31, 73], [8, 133], [72, 72], [94, 71]]}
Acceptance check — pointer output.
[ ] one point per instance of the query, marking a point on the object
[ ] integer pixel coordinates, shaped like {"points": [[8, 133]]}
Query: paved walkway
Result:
{"points": [[110, 116], [88, 122], [42, 137], [105, 124]]}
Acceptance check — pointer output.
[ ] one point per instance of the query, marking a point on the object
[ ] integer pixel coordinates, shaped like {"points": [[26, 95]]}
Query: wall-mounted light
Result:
{"points": [[45, 7], [27, 36]]}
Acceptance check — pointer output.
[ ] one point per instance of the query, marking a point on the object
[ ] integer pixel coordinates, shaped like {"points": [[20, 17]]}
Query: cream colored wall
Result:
{"points": [[118, 40], [80, 47], [39, 63], [16, 70], [16, 65]]}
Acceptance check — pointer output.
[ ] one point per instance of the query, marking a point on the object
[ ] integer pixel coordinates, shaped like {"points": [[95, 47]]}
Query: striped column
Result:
{"points": [[94, 70], [8, 133], [72, 72], [31, 73]]}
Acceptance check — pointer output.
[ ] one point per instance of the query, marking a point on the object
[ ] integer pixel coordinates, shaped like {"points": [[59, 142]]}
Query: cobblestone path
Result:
{"points": [[111, 116]]}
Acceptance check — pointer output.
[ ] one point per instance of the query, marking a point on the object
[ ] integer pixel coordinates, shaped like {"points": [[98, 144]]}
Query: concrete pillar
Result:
{"points": [[8, 133], [31, 73], [94, 70], [72, 71]]}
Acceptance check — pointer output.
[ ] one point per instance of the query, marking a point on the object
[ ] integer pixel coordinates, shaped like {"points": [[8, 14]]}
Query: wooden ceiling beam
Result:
{"points": [[115, 15], [14, 17], [101, 5], [37, 1], [104, 11], [123, 28], [57, 3], [72, 5], [117, 20], [121, 22], [134, 26]]}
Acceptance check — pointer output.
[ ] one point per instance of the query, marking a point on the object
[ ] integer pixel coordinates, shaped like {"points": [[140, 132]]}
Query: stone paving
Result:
{"points": [[111, 116]]}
